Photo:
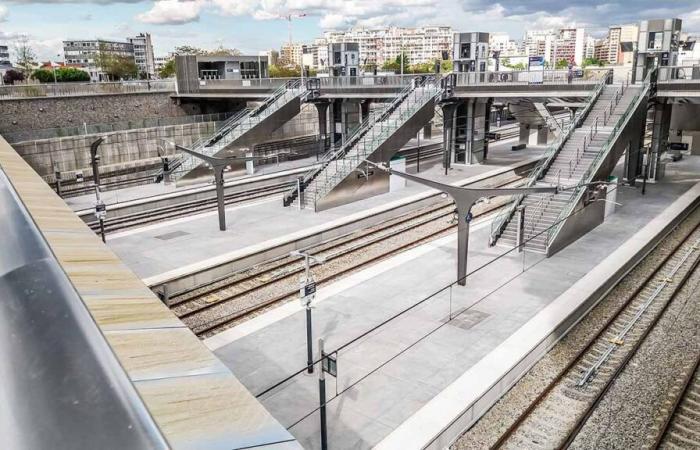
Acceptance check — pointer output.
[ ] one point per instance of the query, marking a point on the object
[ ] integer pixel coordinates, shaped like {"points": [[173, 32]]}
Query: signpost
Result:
{"points": [[329, 365], [307, 292]]}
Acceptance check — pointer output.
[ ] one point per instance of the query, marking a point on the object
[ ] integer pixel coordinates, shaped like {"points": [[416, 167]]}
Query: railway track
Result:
{"points": [[682, 429], [113, 225], [225, 302], [187, 208], [561, 410]]}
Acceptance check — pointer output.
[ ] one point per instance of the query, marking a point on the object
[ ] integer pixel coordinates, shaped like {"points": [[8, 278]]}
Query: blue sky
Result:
{"points": [[250, 25]]}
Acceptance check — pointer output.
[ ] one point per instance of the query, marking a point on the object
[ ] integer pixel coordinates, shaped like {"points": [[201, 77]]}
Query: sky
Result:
{"points": [[254, 25]]}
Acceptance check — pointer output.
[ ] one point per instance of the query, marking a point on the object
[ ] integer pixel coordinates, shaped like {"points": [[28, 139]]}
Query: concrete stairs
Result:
{"points": [[372, 134], [242, 124], [568, 168]]}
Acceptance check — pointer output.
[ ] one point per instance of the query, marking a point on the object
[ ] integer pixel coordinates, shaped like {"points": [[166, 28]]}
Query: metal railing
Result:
{"points": [[501, 220], [595, 164], [672, 74], [240, 124], [527, 77], [383, 127], [377, 127], [98, 128], [79, 89]]}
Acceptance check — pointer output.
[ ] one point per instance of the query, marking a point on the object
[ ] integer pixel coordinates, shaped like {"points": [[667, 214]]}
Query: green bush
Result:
{"points": [[63, 75]]}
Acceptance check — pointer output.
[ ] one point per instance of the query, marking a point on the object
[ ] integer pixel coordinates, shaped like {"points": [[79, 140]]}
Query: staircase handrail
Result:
{"points": [[337, 152], [381, 130], [587, 177], [501, 220], [230, 122]]}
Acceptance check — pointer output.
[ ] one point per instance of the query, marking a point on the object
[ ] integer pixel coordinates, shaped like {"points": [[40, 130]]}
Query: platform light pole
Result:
{"points": [[100, 208], [464, 199], [218, 164], [307, 292]]}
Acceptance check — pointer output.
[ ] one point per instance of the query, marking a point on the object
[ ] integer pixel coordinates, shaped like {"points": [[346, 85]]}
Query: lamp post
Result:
{"points": [[464, 199], [307, 292], [100, 208]]}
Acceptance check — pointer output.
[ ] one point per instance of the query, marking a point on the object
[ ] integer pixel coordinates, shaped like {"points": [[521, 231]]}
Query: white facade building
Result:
{"points": [[85, 54], [143, 55], [378, 46]]}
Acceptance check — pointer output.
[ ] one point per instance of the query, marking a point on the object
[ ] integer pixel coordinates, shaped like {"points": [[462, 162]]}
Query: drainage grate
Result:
{"points": [[173, 235], [467, 319]]}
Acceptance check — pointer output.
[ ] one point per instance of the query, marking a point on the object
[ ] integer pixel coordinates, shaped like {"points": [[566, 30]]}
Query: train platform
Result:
{"points": [[434, 369], [169, 249], [194, 400]]}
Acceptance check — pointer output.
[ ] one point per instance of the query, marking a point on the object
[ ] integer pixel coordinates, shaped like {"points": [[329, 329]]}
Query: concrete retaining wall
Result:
{"points": [[54, 112], [73, 153]]}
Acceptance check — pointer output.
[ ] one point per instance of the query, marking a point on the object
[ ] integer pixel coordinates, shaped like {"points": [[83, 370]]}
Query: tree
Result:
{"points": [[12, 75], [115, 66], [26, 58], [168, 69], [446, 65], [561, 64], [63, 75], [395, 65], [284, 72], [221, 51], [189, 50], [592, 62]]}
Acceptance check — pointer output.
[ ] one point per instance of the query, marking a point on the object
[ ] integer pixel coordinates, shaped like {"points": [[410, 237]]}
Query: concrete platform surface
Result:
{"points": [[158, 249], [391, 373]]}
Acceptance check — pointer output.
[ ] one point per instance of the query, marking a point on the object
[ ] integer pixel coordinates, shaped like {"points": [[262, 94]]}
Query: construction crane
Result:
{"points": [[288, 17]]}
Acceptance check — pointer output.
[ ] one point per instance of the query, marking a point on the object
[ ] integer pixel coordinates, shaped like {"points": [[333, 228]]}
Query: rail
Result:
{"points": [[501, 220], [528, 77], [97, 128], [62, 383], [677, 74], [587, 177], [79, 89]]}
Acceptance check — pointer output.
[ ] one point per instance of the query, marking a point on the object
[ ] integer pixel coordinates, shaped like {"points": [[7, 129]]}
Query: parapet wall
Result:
{"points": [[72, 153], [55, 112]]}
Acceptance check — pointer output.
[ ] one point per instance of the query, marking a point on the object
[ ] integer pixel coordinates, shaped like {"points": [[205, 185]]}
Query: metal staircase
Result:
{"points": [[380, 126], [572, 161], [239, 125]]}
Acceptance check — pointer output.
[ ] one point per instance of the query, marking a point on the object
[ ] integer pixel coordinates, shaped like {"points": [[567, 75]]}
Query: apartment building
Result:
{"points": [[377, 46], [85, 54], [143, 55]]}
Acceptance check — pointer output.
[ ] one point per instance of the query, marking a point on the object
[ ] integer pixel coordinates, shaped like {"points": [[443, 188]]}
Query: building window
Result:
{"points": [[465, 51]]}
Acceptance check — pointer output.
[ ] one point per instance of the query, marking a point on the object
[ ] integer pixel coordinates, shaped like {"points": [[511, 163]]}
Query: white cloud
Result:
{"points": [[3, 13], [172, 12]]}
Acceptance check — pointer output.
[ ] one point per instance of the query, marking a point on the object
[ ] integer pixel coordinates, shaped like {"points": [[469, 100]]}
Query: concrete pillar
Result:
{"points": [[332, 114], [364, 110], [350, 117], [524, 133], [542, 134], [249, 166], [428, 131], [448, 115], [322, 108], [487, 125], [633, 157], [659, 137]]}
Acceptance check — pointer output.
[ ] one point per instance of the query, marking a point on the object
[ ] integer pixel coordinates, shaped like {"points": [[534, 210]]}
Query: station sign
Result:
{"points": [[307, 291], [100, 210], [678, 146], [329, 364]]}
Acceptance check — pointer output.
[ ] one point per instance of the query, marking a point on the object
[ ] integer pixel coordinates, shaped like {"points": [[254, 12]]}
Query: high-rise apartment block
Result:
{"points": [[143, 55], [378, 46], [86, 54]]}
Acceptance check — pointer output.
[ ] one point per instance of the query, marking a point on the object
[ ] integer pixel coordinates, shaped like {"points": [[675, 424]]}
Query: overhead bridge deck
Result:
{"points": [[92, 358]]}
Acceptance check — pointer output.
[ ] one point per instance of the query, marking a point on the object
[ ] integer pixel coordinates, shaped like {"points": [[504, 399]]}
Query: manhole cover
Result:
{"points": [[173, 235], [467, 319]]}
